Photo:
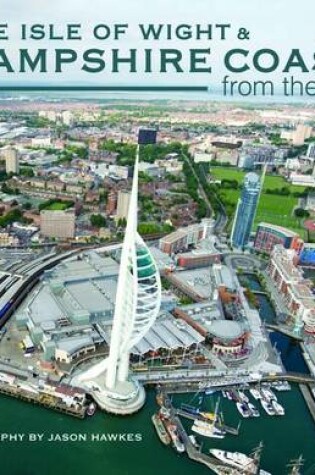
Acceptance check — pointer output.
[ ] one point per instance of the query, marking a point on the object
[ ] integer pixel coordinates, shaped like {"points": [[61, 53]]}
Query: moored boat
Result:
{"points": [[278, 408], [254, 411], [268, 407], [209, 431], [177, 442], [242, 396], [211, 416], [243, 409], [268, 394], [235, 459], [160, 429], [255, 393], [91, 409]]}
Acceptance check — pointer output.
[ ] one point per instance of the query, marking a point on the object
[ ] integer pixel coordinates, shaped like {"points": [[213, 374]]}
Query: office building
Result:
{"points": [[246, 211]]}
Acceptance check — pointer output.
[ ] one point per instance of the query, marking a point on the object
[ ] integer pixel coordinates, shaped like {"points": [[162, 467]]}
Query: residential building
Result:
{"points": [[11, 158], [269, 235], [295, 289], [246, 211]]}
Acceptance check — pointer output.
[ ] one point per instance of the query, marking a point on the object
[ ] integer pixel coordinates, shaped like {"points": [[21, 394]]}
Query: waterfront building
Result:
{"points": [[268, 235], [57, 224], [246, 211], [291, 284]]}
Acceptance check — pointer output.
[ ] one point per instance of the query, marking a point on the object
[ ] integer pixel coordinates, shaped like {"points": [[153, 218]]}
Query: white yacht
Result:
{"points": [[268, 394], [268, 407], [254, 411], [243, 396], [278, 408], [209, 431], [255, 393], [235, 459], [178, 444], [243, 409]]}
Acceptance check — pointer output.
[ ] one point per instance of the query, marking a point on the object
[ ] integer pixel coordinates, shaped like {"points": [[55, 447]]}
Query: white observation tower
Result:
{"points": [[138, 301]]}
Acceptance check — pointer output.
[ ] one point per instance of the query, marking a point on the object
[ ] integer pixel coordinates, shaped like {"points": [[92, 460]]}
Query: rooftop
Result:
{"points": [[226, 330]]}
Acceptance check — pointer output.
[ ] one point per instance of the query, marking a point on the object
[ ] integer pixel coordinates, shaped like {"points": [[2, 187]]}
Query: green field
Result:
{"points": [[57, 206], [274, 209], [271, 182]]}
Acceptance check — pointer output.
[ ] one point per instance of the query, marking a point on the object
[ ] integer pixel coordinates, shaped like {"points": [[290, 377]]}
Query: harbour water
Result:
{"points": [[284, 438]]}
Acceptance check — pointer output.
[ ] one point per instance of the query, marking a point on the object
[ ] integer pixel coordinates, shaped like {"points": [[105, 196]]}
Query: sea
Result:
{"points": [[212, 95]]}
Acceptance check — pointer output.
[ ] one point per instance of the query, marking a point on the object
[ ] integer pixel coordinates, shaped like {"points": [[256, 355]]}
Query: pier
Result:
{"points": [[45, 400], [197, 381], [193, 453], [309, 399], [228, 429], [284, 330]]}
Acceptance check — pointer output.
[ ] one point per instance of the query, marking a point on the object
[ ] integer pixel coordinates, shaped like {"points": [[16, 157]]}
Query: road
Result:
{"points": [[245, 261], [201, 190], [221, 218]]}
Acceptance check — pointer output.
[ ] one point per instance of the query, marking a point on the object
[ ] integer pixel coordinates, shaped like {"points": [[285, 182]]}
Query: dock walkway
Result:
{"points": [[309, 399], [228, 429]]}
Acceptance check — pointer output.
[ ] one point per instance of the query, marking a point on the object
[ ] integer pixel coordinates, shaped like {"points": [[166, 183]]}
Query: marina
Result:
{"points": [[94, 456], [207, 425]]}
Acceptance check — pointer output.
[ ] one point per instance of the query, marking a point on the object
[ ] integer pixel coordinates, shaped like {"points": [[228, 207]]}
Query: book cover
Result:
{"points": [[157, 237]]}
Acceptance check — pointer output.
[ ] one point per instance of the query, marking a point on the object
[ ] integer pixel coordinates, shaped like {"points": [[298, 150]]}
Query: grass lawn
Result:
{"points": [[57, 206], [271, 182], [274, 209]]}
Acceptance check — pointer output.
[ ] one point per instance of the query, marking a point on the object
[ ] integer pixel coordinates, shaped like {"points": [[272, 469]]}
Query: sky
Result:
{"points": [[277, 24]]}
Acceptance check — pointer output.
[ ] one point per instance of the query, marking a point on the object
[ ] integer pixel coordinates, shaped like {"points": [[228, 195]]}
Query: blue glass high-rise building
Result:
{"points": [[245, 211]]}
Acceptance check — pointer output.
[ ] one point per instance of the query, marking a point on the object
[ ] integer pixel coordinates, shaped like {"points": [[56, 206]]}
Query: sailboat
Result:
{"points": [[295, 466], [209, 429]]}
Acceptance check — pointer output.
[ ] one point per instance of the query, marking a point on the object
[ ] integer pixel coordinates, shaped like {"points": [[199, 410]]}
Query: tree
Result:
{"points": [[98, 221], [27, 171], [122, 223], [301, 213]]}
